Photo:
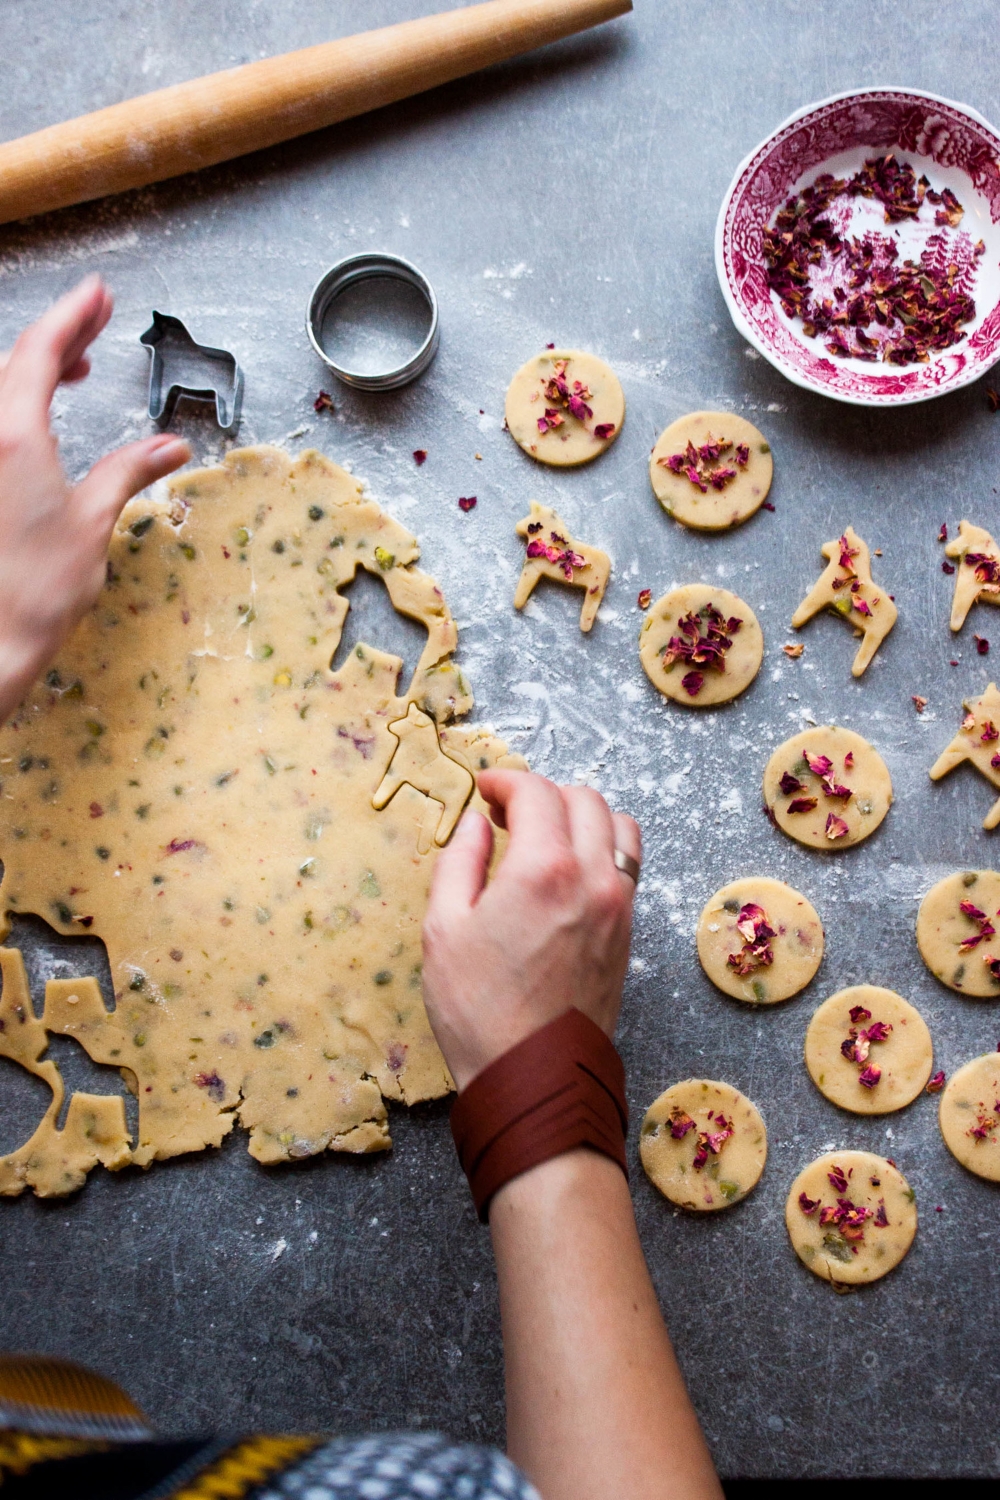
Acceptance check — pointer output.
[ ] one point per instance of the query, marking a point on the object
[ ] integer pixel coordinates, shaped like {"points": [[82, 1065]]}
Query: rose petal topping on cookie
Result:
{"points": [[987, 568], [990, 732], [808, 1205], [870, 1077], [838, 1179], [984, 1126], [756, 953], [712, 1141], [802, 805], [860, 1013], [603, 430], [881, 1219], [819, 765], [836, 828], [699, 465], [790, 784], [680, 1123]]}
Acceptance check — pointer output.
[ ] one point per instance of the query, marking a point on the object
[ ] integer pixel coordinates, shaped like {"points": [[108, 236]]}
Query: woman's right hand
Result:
{"points": [[551, 930]]}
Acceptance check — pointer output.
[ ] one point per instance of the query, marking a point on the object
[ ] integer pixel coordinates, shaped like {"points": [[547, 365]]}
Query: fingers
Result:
{"points": [[522, 802], [118, 476], [460, 868], [51, 347], [591, 828], [628, 838], [79, 371]]}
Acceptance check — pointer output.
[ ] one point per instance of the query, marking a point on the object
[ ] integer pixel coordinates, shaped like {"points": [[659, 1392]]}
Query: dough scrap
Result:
{"points": [[846, 587], [969, 1116], [700, 504], [869, 1182], [835, 822], [943, 927], [53, 1161], [741, 658], [545, 391], [978, 740], [565, 560], [896, 1065], [977, 576], [194, 785], [711, 1121], [796, 947]]}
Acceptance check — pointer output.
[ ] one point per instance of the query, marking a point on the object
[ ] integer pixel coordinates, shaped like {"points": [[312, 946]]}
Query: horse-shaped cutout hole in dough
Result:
{"points": [[419, 761], [978, 740], [553, 553], [846, 587], [977, 576]]}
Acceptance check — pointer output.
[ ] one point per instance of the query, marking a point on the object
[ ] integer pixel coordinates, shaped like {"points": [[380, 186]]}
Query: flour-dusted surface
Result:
{"points": [[567, 198]]}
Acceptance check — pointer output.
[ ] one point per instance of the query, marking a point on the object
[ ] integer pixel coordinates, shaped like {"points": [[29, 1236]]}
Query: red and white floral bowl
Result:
{"points": [[956, 148]]}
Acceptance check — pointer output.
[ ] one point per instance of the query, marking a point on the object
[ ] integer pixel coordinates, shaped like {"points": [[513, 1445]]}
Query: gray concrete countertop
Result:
{"points": [[570, 196]]}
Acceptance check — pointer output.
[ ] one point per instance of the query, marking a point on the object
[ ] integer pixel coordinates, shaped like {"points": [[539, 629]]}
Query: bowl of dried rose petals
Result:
{"points": [[858, 247]]}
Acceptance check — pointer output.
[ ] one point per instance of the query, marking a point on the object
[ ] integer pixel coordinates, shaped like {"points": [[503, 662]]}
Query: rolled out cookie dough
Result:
{"points": [[895, 1066], [709, 1123], [564, 407], [685, 489], [688, 606], [943, 927], [969, 1116], [856, 766], [192, 783], [851, 1247], [796, 947]]}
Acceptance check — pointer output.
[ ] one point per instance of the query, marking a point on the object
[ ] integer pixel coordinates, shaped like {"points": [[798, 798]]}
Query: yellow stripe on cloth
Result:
{"points": [[21, 1451], [244, 1466]]}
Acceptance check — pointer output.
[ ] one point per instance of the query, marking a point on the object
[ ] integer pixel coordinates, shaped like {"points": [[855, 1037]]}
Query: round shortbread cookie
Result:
{"points": [[685, 616], [795, 945], [709, 1123], [851, 1247], [868, 1050], [685, 459], [969, 1116], [801, 800], [943, 927], [564, 407]]}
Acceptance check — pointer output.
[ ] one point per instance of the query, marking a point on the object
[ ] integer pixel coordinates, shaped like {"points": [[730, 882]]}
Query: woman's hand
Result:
{"points": [[550, 930], [54, 535]]}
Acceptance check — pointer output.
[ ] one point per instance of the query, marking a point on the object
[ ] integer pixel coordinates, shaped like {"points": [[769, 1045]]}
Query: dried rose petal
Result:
{"points": [[836, 828], [808, 1205], [947, 567], [919, 703], [603, 430], [982, 645], [838, 1180], [943, 533], [969, 722], [881, 1220], [848, 760], [680, 1123], [693, 683], [802, 805], [645, 598], [861, 607], [794, 651], [419, 456], [742, 454], [466, 502], [870, 1077], [790, 784], [324, 402], [990, 732], [878, 1031], [969, 910], [859, 1014], [935, 1083], [819, 765]]}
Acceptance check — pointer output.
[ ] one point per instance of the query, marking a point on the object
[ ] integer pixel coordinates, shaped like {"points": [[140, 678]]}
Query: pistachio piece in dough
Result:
{"points": [[977, 740], [851, 1217], [553, 553], [703, 1144], [827, 788], [711, 470], [700, 645], [868, 1050], [564, 407], [846, 587], [977, 576], [969, 1116], [956, 927], [759, 940]]}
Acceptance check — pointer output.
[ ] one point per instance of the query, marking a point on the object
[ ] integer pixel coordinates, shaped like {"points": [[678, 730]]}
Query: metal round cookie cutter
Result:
{"points": [[373, 319]]}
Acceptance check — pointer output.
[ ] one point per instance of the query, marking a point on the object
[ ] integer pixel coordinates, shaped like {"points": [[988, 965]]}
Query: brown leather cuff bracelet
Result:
{"points": [[562, 1087]]}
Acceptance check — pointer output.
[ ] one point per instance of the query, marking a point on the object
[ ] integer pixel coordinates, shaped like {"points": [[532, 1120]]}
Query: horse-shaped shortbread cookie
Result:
{"points": [[553, 553], [977, 577], [419, 761], [846, 586], [978, 740]]}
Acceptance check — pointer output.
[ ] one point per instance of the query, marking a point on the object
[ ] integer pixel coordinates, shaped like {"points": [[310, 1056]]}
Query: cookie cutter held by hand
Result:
{"points": [[181, 367]]}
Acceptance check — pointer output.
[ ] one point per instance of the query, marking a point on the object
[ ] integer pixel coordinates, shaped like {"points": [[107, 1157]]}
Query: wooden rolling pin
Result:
{"points": [[212, 119]]}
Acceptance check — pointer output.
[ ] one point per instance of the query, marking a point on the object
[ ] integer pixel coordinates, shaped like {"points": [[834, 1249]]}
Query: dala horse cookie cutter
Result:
{"points": [[181, 367]]}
